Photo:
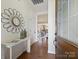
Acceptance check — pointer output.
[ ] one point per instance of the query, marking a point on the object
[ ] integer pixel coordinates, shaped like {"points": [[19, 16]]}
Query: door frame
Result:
{"points": [[56, 22], [40, 13]]}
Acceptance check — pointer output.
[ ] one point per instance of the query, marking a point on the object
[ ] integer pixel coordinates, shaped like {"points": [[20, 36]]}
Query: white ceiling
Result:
{"points": [[42, 7]]}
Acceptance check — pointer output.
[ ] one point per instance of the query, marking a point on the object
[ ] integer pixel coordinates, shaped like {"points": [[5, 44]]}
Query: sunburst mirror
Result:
{"points": [[12, 20]]}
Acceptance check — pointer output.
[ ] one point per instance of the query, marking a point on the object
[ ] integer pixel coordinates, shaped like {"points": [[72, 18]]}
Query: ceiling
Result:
{"points": [[42, 7]]}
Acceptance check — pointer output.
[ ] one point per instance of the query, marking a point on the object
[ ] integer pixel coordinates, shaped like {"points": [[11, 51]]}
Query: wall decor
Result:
{"points": [[12, 20]]}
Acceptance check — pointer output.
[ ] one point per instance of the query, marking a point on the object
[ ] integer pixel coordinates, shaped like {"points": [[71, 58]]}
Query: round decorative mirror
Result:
{"points": [[12, 20], [16, 21]]}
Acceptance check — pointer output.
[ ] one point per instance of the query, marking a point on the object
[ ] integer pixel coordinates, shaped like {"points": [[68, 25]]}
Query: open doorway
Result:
{"points": [[42, 27]]}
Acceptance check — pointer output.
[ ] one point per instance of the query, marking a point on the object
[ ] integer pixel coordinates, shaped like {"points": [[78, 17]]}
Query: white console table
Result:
{"points": [[15, 48]]}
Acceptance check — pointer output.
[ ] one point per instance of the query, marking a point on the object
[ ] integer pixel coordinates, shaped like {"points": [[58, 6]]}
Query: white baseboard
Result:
{"points": [[28, 51], [29, 47], [34, 42], [51, 52]]}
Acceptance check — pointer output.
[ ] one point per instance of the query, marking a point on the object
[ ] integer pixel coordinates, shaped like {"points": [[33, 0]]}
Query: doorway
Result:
{"points": [[42, 26]]}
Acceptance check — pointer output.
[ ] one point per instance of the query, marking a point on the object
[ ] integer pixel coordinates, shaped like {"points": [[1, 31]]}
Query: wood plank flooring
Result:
{"points": [[38, 51]]}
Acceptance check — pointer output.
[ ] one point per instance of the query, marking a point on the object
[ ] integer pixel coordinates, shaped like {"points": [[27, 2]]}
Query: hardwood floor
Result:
{"points": [[38, 51]]}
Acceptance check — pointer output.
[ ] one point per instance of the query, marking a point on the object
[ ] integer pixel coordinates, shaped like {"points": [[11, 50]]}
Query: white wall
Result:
{"points": [[73, 21], [68, 20], [51, 26], [62, 18], [25, 10], [32, 29]]}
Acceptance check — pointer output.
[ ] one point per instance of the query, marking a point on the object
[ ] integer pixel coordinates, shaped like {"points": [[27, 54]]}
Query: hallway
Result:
{"points": [[38, 51]]}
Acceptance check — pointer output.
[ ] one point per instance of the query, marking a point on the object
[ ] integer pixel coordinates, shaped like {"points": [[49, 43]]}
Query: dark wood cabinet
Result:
{"points": [[65, 49]]}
